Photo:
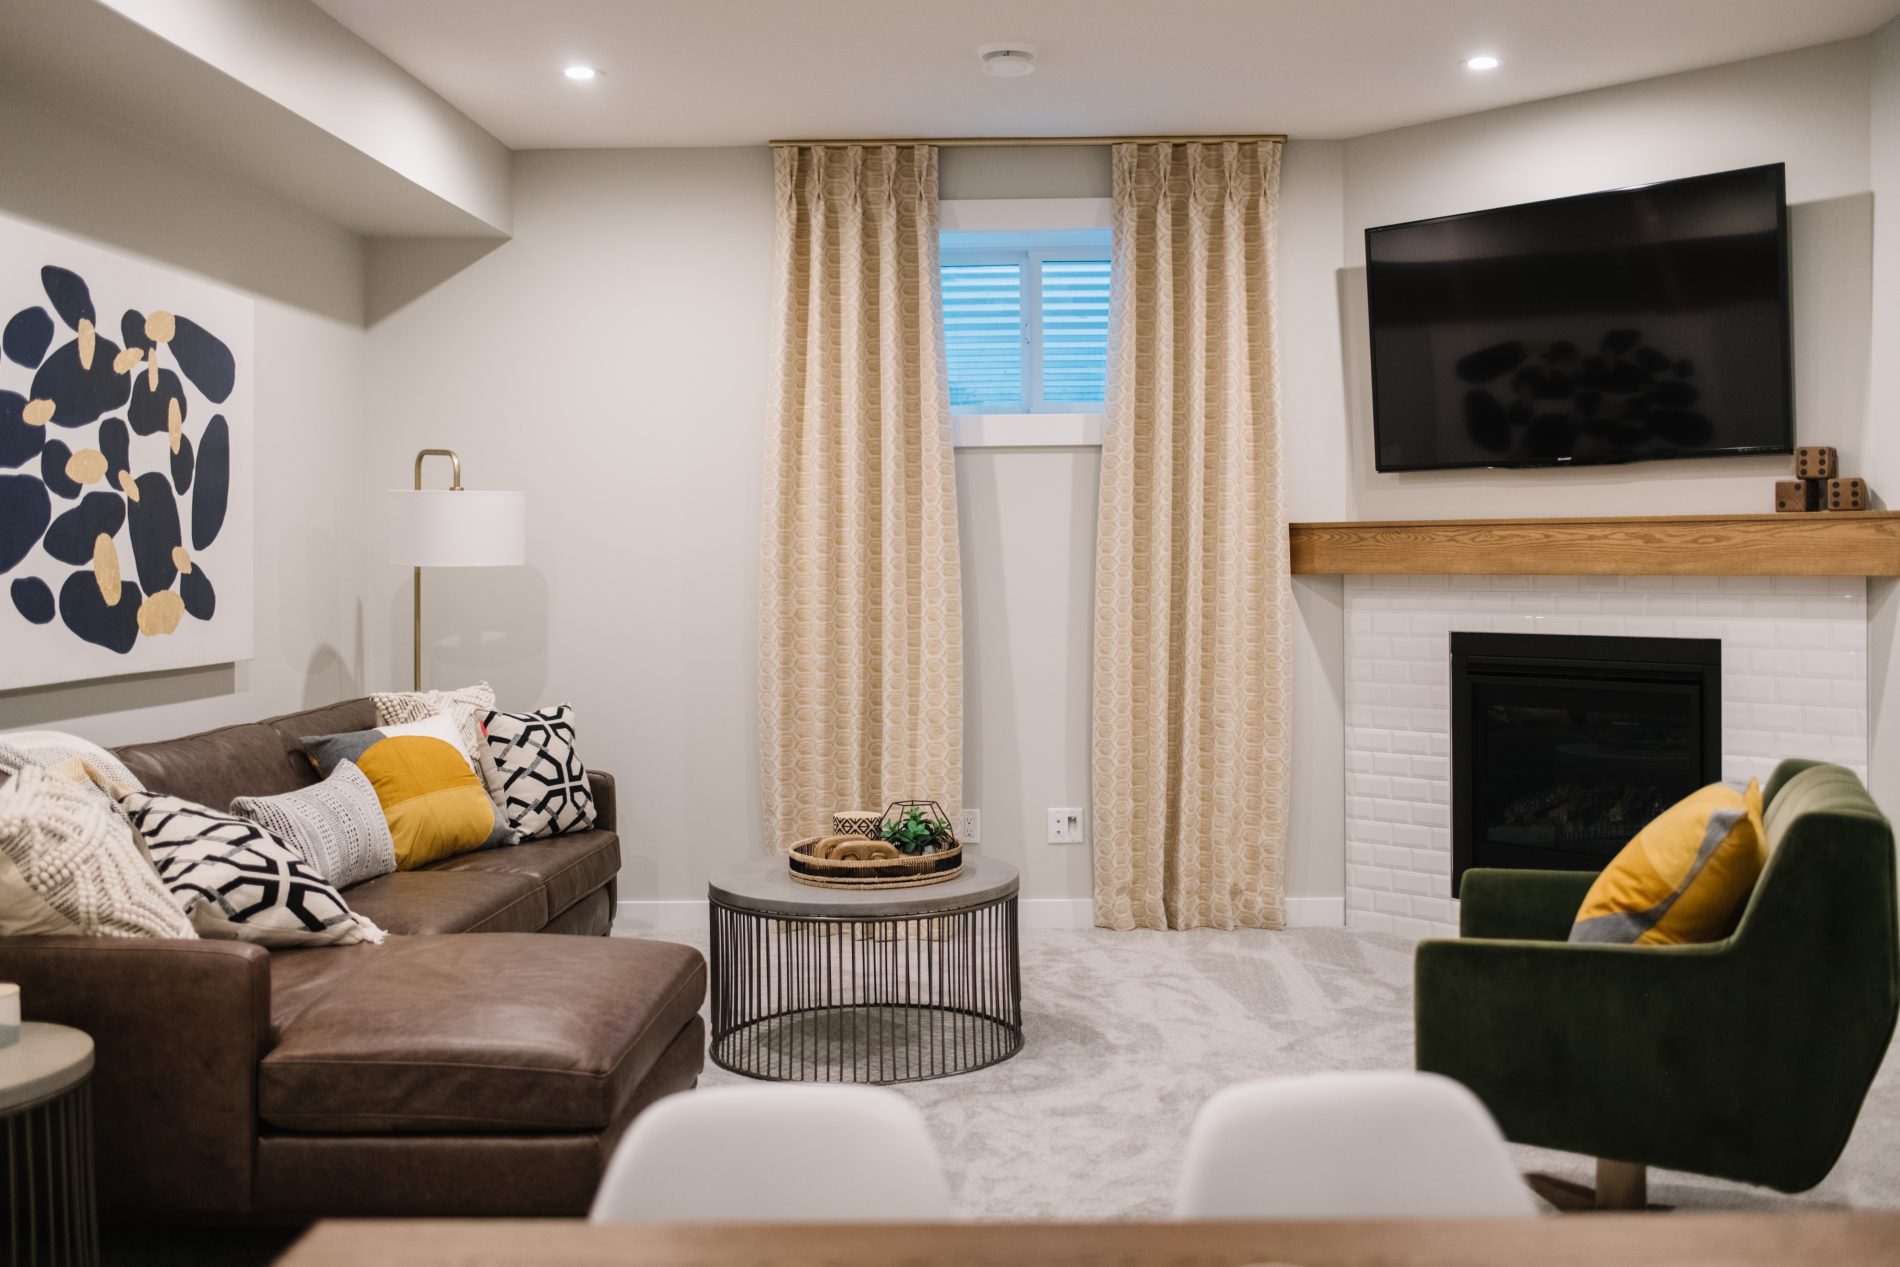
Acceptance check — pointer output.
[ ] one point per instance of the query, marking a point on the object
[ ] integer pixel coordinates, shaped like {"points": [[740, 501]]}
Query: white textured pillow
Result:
{"points": [[238, 882], [544, 785], [337, 826], [49, 748], [70, 865]]}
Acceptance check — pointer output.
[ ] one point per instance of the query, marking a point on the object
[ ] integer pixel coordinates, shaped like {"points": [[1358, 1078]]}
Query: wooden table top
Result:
{"points": [[1579, 1240]]}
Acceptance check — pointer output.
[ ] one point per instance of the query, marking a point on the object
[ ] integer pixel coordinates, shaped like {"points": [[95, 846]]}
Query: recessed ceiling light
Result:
{"points": [[1484, 61], [581, 74], [1008, 61]]}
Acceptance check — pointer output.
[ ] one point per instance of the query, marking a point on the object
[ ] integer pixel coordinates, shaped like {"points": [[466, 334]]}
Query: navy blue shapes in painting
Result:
{"points": [[19, 443], [116, 443], [114, 626], [27, 337], [81, 392], [154, 515], [53, 461], [204, 358], [148, 407], [182, 466], [71, 299], [214, 483], [33, 599], [132, 331], [195, 588], [71, 537], [25, 510]]}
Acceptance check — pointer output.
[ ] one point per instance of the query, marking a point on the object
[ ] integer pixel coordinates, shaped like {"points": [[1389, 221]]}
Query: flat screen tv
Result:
{"points": [[1611, 327]]}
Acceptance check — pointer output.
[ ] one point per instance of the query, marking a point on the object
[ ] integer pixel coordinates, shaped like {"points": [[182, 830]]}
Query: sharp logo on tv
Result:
{"points": [[1613, 327]]}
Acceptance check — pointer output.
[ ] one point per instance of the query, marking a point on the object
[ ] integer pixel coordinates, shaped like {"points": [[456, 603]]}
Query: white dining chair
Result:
{"points": [[776, 1153], [1348, 1145]]}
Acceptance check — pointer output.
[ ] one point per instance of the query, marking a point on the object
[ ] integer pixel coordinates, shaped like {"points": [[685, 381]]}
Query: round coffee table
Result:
{"points": [[834, 985], [46, 1119]]}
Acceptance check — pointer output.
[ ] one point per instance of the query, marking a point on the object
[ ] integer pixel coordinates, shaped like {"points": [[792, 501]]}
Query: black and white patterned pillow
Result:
{"points": [[236, 881], [544, 784]]}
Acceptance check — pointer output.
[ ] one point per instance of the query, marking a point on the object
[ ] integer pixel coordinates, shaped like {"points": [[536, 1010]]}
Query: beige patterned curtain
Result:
{"points": [[1191, 583], [861, 613]]}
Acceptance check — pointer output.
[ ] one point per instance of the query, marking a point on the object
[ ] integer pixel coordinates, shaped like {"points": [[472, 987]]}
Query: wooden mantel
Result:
{"points": [[1829, 543]]}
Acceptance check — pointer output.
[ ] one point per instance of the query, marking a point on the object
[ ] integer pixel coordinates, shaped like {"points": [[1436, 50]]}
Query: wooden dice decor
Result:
{"points": [[1793, 496], [1846, 494], [1817, 462]]}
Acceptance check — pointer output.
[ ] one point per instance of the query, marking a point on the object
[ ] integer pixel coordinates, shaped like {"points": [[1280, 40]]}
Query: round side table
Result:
{"points": [[836, 985], [46, 1117]]}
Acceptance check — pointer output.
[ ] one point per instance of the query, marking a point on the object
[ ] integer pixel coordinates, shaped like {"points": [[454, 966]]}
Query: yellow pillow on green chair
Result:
{"points": [[1684, 878]]}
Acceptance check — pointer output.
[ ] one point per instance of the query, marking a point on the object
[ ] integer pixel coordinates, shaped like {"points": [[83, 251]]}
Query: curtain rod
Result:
{"points": [[948, 142]]}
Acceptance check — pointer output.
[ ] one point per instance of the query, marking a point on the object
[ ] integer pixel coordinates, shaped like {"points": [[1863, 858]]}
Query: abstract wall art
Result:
{"points": [[126, 436]]}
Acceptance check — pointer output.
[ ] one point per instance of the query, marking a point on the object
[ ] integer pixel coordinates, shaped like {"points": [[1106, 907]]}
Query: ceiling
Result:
{"points": [[738, 72]]}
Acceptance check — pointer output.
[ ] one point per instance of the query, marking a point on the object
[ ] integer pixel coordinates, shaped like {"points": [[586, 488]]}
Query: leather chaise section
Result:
{"points": [[482, 1035]]}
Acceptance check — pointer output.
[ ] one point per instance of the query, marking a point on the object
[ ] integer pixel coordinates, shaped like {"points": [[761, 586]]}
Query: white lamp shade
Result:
{"points": [[443, 528]]}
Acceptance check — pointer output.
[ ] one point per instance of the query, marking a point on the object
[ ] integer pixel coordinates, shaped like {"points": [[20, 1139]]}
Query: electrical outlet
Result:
{"points": [[970, 826], [1065, 827]]}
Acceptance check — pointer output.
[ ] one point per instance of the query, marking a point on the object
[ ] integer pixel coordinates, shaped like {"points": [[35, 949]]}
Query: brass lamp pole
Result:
{"points": [[455, 486]]}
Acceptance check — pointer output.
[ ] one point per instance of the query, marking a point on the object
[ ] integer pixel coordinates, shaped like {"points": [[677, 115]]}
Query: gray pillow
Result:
{"points": [[337, 827]]}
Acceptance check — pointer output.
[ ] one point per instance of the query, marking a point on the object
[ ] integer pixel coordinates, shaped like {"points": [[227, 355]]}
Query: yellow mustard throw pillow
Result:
{"points": [[1684, 878], [436, 805]]}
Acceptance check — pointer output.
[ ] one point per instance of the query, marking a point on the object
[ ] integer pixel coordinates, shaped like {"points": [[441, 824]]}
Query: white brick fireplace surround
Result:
{"points": [[1794, 683]]}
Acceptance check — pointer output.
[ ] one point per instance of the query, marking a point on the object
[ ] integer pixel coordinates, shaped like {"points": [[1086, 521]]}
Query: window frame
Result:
{"points": [[1050, 424]]}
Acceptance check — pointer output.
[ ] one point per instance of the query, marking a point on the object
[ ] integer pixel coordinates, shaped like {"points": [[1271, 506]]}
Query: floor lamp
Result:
{"points": [[454, 527]]}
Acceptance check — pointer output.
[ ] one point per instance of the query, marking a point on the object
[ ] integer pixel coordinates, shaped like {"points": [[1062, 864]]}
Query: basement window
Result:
{"points": [[1025, 320]]}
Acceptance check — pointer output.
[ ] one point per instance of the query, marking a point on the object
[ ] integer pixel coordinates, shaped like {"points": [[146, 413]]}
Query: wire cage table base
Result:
{"points": [[882, 986], [49, 1212]]}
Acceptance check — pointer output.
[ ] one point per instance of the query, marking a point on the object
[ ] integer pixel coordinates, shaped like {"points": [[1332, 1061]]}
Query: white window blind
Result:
{"points": [[983, 334], [1025, 321]]}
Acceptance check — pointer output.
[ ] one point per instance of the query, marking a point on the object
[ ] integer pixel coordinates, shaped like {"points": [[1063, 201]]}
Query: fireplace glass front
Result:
{"points": [[1563, 746]]}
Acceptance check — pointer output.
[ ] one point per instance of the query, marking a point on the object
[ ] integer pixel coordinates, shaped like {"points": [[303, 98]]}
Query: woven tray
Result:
{"points": [[873, 873]]}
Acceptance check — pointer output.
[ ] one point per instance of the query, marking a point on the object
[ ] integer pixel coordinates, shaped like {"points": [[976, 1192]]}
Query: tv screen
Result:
{"points": [[1611, 327]]}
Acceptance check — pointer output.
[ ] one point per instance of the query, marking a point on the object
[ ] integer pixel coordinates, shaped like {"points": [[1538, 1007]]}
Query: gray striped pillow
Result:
{"points": [[337, 826]]}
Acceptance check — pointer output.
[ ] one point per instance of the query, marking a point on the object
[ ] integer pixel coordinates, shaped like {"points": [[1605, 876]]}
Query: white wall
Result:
{"points": [[86, 181], [610, 360], [1883, 412], [1806, 108]]}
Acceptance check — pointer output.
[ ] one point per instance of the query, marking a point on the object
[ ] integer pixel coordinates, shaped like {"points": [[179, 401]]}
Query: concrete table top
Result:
{"points": [[47, 1060], [765, 886]]}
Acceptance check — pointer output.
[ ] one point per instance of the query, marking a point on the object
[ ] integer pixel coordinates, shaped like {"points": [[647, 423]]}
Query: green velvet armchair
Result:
{"points": [[1745, 1059]]}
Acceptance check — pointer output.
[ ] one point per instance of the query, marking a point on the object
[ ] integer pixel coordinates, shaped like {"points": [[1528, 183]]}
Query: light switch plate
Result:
{"points": [[1065, 827]]}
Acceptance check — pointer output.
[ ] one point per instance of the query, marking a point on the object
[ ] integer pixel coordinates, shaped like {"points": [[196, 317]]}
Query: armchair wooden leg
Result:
{"points": [[1621, 1185]]}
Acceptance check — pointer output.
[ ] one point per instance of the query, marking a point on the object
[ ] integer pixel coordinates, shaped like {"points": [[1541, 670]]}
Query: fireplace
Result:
{"points": [[1562, 746]]}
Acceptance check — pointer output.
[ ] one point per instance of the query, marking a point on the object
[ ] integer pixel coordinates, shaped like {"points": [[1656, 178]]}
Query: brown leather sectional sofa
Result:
{"points": [[437, 1074]]}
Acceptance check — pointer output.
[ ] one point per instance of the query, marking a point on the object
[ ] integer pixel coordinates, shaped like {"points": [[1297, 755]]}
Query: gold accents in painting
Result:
{"points": [[161, 613], [161, 326], [129, 484], [127, 360], [37, 413], [88, 342], [151, 371], [88, 466], [181, 559], [174, 421], [105, 568]]}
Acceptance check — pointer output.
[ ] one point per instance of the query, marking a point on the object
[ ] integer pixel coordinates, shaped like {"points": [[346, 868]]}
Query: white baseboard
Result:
{"points": [[1033, 912]]}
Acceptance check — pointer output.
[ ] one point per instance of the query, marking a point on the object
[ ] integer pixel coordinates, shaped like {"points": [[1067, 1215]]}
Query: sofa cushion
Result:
{"points": [[436, 901], [331, 719], [213, 767], [440, 1035], [568, 867]]}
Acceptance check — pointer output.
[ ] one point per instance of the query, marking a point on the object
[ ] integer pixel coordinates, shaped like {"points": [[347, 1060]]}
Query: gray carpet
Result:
{"points": [[1127, 1033]]}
